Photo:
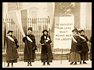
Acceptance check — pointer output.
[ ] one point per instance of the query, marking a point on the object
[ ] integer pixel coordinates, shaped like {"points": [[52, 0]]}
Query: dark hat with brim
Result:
{"points": [[75, 30], [79, 31], [9, 31], [30, 28], [82, 30], [45, 31]]}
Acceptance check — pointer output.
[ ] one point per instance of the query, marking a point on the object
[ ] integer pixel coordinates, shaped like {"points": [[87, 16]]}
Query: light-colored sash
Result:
{"points": [[44, 37], [29, 39], [82, 37], [74, 39], [42, 44], [48, 38], [10, 38]]}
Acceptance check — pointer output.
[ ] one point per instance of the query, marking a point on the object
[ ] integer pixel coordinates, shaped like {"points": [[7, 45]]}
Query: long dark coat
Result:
{"points": [[29, 51], [85, 49], [91, 48], [75, 47], [11, 50], [75, 50], [84, 45], [46, 52]]}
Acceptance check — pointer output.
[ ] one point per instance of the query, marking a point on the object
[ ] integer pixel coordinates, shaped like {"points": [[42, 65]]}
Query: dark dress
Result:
{"points": [[75, 50], [46, 52], [29, 52], [85, 49], [91, 48], [11, 50]]}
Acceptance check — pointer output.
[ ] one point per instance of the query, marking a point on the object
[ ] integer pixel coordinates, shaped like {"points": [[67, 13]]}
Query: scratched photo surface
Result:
{"points": [[46, 34]]}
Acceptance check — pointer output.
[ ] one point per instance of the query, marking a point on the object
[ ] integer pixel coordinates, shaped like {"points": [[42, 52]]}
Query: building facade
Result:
{"points": [[82, 11], [82, 14]]}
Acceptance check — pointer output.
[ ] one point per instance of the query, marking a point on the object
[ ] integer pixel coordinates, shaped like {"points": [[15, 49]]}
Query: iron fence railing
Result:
{"points": [[38, 25]]}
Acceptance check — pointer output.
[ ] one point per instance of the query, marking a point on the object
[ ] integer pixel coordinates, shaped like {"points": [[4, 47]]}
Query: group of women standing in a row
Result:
{"points": [[79, 48], [30, 47]]}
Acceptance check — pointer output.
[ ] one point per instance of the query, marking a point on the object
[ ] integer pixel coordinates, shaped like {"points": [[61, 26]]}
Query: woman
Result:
{"points": [[81, 42], [46, 52], [30, 47], [85, 49], [11, 48], [91, 49], [75, 50]]}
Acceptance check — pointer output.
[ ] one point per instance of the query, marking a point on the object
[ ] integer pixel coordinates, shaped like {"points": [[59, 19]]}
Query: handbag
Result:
{"points": [[35, 47]]}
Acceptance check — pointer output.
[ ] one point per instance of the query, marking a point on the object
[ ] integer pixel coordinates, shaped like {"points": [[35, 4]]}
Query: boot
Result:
{"points": [[80, 62], [91, 59], [43, 63], [75, 63], [71, 63], [84, 62], [12, 64], [48, 63], [8, 65], [30, 64]]}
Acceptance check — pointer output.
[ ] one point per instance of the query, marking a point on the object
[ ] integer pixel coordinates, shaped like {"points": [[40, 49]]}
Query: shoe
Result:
{"points": [[75, 63], [12, 65], [30, 64], [84, 63], [48, 64], [71, 63], [80, 62], [7, 66], [43, 63]]}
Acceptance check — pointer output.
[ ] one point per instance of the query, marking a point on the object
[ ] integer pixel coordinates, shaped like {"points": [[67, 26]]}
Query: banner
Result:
{"points": [[5, 43], [16, 16], [63, 33], [24, 20], [51, 13]]}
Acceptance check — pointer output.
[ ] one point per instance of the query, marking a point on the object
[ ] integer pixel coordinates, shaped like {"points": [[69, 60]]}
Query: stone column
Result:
{"points": [[77, 15], [83, 15], [5, 9], [85, 18], [88, 15]]}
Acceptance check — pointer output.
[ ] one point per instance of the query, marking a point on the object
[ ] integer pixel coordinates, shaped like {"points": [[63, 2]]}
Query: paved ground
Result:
{"points": [[54, 64]]}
